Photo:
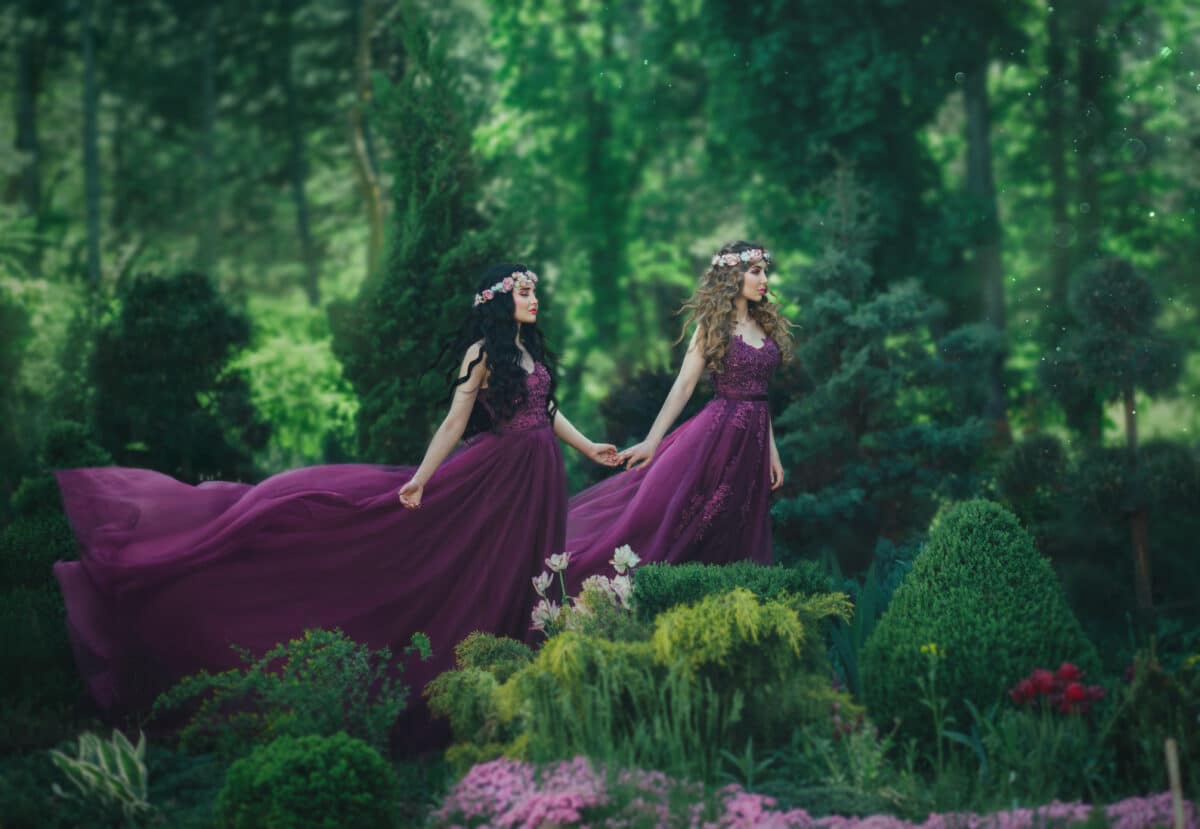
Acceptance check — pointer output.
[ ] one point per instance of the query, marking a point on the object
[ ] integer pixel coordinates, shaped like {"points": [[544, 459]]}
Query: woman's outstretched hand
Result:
{"points": [[604, 454], [638, 455], [410, 494], [776, 471]]}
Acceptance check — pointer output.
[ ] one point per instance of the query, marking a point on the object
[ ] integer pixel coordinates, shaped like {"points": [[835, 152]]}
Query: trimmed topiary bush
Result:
{"points": [[309, 782], [990, 602], [660, 587]]}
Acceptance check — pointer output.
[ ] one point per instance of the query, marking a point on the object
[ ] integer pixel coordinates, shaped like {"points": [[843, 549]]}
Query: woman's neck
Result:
{"points": [[741, 310]]}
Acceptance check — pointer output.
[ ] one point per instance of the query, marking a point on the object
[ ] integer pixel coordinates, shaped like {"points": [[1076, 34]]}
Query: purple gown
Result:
{"points": [[705, 496], [171, 575]]}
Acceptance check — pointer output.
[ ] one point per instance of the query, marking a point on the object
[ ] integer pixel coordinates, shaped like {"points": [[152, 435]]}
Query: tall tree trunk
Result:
{"points": [[364, 162], [28, 181], [1139, 535], [298, 162], [91, 157], [207, 243], [989, 264], [1092, 122], [1056, 148], [604, 237], [29, 86]]}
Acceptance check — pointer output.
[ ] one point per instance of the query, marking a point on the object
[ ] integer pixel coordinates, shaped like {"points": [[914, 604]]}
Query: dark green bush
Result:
{"points": [[321, 683], [659, 587], [1157, 703], [309, 782], [34, 650], [990, 602], [166, 397], [69, 444], [30, 545], [37, 495]]}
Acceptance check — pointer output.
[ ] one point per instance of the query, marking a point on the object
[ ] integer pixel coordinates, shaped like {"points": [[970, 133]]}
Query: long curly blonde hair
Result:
{"points": [[712, 308]]}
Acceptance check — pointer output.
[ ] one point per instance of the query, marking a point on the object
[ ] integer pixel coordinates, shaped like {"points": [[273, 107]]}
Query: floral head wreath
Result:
{"points": [[751, 255], [518, 279]]}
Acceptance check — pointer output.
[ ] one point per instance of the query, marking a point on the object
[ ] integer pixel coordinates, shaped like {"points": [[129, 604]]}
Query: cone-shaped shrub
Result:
{"points": [[992, 604]]}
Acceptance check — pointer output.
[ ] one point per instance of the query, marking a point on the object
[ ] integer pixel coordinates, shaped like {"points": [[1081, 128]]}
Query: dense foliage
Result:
{"points": [[983, 595]]}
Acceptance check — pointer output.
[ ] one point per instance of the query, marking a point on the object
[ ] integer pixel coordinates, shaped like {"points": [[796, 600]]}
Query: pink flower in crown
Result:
{"points": [[508, 283], [730, 259], [488, 295]]}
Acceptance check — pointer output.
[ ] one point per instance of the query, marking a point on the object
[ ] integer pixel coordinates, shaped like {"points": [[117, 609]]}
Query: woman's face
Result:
{"points": [[754, 281], [525, 304]]}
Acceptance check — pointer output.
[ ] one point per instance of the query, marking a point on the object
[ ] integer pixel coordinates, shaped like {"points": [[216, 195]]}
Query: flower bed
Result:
{"points": [[510, 793]]}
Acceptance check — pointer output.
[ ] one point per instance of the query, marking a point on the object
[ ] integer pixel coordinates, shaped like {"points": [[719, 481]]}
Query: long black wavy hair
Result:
{"points": [[494, 324]]}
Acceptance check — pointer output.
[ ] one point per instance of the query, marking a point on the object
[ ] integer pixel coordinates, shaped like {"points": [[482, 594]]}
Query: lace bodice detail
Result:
{"points": [[533, 413], [748, 370]]}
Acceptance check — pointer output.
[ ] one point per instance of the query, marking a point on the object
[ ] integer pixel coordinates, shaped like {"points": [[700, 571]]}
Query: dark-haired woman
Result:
{"points": [[702, 492], [171, 576]]}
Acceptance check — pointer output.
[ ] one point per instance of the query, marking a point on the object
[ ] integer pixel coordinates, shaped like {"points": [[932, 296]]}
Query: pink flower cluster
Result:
{"points": [[1063, 689], [509, 793]]}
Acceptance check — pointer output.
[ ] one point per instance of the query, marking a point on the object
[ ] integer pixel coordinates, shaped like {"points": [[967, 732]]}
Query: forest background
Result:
{"points": [[235, 238]]}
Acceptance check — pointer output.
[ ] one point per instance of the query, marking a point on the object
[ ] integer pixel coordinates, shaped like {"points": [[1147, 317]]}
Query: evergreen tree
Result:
{"points": [[390, 337], [165, 398], [890, 420], [1114, 349]]}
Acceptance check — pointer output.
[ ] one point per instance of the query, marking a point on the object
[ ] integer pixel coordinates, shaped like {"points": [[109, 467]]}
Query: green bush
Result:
{"points": [[659, 587], [990, 602], [30, 545], [311, 781], [703, 681], [37, 495], [69, 444], [322, 683], [1157, 703], [34, 649], [499, 655]]}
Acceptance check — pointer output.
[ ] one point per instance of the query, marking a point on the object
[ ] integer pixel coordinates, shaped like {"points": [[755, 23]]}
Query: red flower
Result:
{"points": [[1022, 692], [1096, 692], [1068, 673], [1043, 681], [1075, 693]]}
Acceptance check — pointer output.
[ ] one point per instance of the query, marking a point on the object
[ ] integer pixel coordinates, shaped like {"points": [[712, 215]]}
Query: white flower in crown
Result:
{"points": [[558, 563], [542, 583], [624, 558]]}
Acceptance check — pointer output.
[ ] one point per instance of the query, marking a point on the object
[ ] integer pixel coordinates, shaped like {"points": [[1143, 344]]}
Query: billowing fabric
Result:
{"points": [[172, 575]]}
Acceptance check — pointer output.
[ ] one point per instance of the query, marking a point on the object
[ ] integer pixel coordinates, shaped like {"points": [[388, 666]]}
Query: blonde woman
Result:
{"points": [[702, 492]]}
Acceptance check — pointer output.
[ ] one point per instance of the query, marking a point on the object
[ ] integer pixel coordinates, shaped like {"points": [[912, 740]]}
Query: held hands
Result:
{"points": [[638, 455], [604, 454], [410, 494]]}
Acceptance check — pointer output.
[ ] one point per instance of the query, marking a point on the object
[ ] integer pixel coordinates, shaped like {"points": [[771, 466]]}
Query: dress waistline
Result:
{"points": [[735, 395], [505, 430]]}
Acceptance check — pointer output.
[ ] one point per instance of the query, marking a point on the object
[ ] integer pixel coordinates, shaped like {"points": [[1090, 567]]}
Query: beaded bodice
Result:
{"points": [[748, 369], [533, 412]]}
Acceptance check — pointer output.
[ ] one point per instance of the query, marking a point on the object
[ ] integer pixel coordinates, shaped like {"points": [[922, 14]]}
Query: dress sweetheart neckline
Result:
{"points": [[758, 347]]}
